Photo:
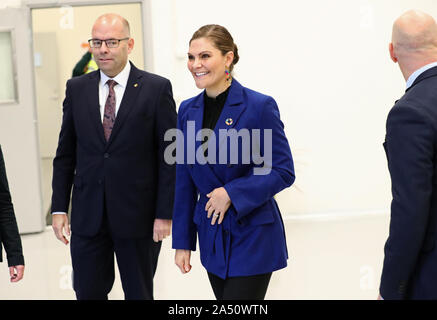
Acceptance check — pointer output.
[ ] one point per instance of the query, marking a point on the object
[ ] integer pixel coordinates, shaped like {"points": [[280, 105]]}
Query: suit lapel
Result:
{"points": [[94, 105], [201, 170], [229, 116], [133, 87], [231, 112]]}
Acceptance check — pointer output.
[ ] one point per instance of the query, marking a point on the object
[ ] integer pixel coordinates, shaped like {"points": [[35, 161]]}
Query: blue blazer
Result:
{"points": [[410, 262], [251, 238], [127, 177]]}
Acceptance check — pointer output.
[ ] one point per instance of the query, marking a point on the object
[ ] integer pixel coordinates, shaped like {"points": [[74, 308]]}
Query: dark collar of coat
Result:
{"points": [[432, 72]]}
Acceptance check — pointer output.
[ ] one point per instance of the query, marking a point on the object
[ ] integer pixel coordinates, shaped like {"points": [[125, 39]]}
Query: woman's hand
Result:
{"points": [[217, 205], [182, 260]]}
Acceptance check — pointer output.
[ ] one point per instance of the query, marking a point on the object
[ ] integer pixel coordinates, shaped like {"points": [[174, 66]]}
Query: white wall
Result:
{"points": [[10, 4], [326, 63]]}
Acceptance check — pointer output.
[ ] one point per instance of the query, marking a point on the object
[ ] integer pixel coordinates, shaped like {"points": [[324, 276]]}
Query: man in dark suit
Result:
{"points": [[111, 149], [410, 263], [9, 236]]}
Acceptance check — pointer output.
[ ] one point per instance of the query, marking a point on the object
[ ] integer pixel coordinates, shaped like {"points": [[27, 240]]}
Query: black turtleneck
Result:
{"points": [[213, 109]]}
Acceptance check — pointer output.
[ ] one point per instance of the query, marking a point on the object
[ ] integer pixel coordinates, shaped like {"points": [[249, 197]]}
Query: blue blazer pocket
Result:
{"points": [[261, 215]]}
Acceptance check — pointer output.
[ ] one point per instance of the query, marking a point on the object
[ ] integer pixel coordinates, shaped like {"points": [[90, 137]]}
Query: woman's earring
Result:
{"points": [[228, 75]]}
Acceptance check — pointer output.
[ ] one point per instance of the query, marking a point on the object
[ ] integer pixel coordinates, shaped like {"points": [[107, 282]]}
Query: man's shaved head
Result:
{"points": [[414, 41], [415, 30], [114, 20]]}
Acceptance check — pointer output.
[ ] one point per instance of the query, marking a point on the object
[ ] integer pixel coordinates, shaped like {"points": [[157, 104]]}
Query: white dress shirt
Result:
{"points": [[119, 89]]}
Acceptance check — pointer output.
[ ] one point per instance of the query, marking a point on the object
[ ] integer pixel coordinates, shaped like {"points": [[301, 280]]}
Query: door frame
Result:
{"points": [[146, 18], [14, 65]]}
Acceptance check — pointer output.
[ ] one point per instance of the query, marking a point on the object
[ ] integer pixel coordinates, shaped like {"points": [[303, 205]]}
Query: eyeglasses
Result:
{"points": [[110, 43]]}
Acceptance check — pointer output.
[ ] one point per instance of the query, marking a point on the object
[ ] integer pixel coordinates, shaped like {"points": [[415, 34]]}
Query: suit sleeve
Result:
{"points": [[183, 229], [251, 191], [165, 119], [8, 225], [64, 163], [410, 152]]}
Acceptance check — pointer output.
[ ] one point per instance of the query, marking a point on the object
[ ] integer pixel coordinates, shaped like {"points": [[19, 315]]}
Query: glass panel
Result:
{"points": [[7, 80]]}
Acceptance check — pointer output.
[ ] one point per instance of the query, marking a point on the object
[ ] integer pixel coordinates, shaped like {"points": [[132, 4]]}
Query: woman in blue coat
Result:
{"points": [[233, 157]]}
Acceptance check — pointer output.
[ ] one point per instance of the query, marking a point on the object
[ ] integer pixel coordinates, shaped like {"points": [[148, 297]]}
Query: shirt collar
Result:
{"points": [[120, 78], [418, 72], [220, 99]]}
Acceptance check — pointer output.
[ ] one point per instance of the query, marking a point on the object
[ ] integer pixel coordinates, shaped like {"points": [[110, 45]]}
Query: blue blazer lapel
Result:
{"points": [[232, 110], [94, 104], [229, 116], [196, 114], [133, 87], [201, 170]]}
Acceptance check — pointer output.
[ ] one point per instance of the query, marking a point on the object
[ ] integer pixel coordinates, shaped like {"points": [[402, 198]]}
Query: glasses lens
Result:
{"points": [[96, 43], [112, 43]]}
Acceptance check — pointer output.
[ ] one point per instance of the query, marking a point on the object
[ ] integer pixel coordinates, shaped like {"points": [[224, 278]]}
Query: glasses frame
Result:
{"points": [[118, 43]]}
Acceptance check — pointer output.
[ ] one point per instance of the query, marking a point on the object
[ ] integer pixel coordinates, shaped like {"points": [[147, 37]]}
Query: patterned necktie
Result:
{"points": [[109, 115]]}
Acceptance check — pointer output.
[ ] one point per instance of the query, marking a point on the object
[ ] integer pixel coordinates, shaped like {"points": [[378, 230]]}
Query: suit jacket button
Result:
{"points": [[106, 155]]}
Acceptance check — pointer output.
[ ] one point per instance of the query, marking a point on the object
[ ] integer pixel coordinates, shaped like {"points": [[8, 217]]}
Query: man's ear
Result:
{"points": [[392, 52], [130, 45]]}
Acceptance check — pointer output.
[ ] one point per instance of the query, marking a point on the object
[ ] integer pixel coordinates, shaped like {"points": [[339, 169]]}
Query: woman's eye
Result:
{"points": [[190, 57], [205, 56]]}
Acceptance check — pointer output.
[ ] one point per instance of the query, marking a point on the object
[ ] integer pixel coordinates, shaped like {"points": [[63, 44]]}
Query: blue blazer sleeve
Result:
{"points": [[410, 149], [251, 191], [183, 228]]}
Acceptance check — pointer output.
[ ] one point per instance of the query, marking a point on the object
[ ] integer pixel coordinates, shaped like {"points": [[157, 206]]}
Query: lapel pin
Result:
{"points": [[136, 85], [229, 121]]}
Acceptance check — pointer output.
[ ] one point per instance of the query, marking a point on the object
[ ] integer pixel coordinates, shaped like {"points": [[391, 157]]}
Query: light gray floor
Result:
{"points": [[329, 259]]}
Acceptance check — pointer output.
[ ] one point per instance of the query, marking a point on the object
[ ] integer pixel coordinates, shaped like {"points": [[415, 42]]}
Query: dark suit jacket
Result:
{"points": [[9, 235], [125, 177], [410, 264]]}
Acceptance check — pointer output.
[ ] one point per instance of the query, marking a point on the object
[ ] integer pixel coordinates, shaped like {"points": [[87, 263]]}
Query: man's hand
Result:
{"points": [[59, 224], [182, 260], [16, 273], [161, 229]]}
